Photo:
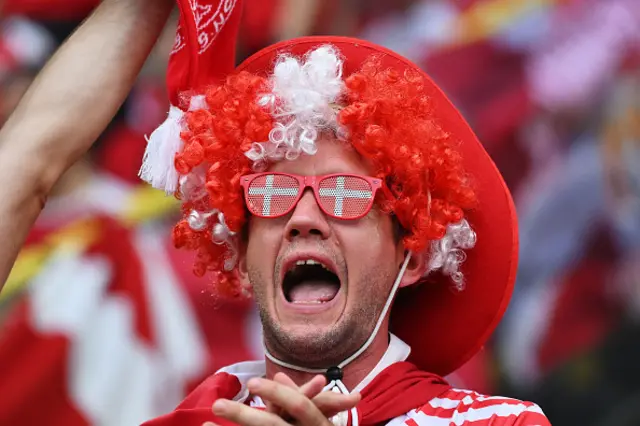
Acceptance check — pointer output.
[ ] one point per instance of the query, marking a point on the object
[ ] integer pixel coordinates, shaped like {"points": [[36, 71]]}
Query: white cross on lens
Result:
{"points": [[268, 191], [340, 193]]}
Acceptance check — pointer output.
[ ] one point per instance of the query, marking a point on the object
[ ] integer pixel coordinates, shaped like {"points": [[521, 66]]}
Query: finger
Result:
{"points": [[285, 380], [291, 400], [244, 415], [331, 403], [310, 389], [314, 386]]}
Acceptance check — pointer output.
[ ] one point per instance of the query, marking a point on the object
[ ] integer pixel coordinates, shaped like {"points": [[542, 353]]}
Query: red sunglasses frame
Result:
{"points": [[312, 182]]}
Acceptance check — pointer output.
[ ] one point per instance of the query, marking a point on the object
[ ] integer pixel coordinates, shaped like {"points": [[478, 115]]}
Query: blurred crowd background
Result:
{"points": [[103, 323]]}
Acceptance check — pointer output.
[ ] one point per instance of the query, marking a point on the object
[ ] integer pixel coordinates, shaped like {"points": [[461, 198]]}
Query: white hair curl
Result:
{"points": [[447, 253], [302, 100]]}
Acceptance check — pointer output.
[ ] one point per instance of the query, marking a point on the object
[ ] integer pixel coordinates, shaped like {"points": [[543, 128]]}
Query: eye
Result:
{"points": [[272, 195], [346, 197]]}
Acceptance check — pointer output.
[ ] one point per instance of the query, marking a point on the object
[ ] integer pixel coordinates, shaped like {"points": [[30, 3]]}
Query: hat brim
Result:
{"points": [[444, 327]]}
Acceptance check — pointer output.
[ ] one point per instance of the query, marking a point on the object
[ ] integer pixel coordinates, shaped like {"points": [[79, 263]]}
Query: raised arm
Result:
{"points": [[67, 107]]}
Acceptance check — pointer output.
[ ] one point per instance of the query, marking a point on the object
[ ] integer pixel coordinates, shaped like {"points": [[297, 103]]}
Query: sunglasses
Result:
{"points": [[341, 196]]}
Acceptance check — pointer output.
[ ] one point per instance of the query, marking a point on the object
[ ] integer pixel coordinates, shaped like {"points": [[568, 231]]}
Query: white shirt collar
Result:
{"points": [[397, 351]]}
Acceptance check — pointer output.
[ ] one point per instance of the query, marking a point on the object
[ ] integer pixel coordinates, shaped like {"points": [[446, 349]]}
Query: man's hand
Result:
{"points": [[287, 404]]}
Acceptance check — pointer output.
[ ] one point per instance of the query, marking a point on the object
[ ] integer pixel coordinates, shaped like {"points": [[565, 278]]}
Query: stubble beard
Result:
{"points": [[327, 347]]}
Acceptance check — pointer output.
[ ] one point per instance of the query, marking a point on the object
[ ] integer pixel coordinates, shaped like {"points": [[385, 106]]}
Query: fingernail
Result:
{"points": [[219, 406]]}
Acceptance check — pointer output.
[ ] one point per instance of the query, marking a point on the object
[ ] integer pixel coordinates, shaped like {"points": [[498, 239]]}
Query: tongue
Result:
{"points": [[313, 292]]}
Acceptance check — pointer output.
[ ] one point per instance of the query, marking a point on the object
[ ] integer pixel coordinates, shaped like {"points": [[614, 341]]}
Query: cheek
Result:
{"points": [[380, 230], [369, 243], [263, 241]]}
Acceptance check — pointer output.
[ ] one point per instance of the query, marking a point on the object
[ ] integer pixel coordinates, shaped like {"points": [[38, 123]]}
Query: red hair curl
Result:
{"points": [[217, 138], [390, 122]]}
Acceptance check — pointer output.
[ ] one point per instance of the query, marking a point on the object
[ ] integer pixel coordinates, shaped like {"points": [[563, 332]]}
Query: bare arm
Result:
{"points": [[67, 107]]}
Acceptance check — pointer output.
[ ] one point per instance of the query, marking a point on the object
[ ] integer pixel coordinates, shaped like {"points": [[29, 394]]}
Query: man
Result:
{"points": [[331, 180], [366, 190]]}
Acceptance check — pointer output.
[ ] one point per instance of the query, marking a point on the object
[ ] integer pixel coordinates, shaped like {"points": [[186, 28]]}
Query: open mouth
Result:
{"points": [[310, 282]]}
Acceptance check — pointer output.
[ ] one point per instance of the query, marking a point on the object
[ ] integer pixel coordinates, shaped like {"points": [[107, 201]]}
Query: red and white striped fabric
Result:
{"points": [[468, 408], [390, 391]]}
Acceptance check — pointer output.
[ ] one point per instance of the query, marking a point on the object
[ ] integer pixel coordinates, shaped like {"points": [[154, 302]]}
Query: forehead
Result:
{"points": [[333, 156]]}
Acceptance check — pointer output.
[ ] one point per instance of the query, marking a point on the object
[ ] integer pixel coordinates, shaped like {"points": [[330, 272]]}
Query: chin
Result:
{"points": [[309, 343], [309, 332]]}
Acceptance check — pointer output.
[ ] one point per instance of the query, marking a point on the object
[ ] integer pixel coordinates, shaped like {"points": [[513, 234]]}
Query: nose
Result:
{"points": [[307, 220]]}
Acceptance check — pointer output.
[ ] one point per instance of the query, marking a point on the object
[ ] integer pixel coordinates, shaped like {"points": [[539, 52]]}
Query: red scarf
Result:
{"points": [[398, 389]]}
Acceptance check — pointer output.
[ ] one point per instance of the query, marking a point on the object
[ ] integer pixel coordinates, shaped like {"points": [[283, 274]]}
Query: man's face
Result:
{"points": [[311, 315]]}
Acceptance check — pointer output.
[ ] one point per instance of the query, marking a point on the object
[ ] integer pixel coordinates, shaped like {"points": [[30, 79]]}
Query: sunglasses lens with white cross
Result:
{"points": [[342, 196]]}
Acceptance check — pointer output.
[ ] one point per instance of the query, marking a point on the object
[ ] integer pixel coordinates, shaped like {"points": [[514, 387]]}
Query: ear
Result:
{"points": [[416, 267], [243, 273]]}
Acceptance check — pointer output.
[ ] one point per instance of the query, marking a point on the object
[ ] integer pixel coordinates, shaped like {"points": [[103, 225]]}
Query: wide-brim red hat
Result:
{"points": [[444, 327]]}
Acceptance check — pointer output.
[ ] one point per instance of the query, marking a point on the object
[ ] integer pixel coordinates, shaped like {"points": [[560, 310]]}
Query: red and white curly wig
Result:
{"points": [[249, 122]]}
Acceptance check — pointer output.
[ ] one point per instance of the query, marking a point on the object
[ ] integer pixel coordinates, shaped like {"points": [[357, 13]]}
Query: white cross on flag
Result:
{"points": [[335, 191], [273, 194]]}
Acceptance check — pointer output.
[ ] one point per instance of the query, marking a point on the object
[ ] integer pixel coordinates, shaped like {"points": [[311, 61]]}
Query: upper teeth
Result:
{"points": [[311, 262]]}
